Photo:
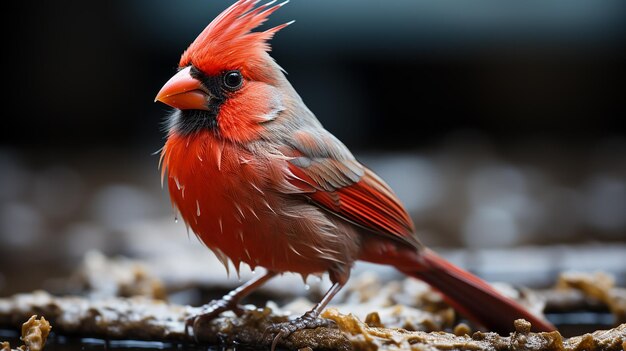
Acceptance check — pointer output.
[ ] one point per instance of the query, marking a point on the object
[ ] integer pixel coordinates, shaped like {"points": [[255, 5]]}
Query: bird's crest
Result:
{"points": [[228, 41]]}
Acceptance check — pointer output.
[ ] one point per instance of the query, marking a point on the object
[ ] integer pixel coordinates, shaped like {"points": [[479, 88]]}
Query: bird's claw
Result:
{"points": [[208, 313], [309, 320]]}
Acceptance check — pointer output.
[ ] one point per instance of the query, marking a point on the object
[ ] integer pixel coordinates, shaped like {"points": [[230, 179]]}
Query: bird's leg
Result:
{"points": [[309, 320], [229, 302]]}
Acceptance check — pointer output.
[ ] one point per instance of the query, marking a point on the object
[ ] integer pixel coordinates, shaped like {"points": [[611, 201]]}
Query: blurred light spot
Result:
{"points": [[490, 227], [415, 180], [606, 203], [58, 192], [562, 212], [607, 258], [514, 265], [118, 206], [505, 188], [82, 237], [13, 178], [20, 225], [499, 186]]}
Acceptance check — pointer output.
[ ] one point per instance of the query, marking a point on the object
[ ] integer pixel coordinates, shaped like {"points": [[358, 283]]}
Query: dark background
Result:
{"points": [[500, 125], [84, 73]]}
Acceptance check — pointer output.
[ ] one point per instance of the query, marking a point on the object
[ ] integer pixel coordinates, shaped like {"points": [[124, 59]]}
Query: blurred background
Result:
{"points": [[500, 125]]}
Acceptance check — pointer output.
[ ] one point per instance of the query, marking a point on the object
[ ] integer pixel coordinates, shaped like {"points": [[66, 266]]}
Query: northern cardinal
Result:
{"points": [[260, 181]]}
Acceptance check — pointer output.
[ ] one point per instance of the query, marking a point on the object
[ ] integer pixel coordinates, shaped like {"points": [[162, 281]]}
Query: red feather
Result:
{"points": [[228, 42], [369, 203]]}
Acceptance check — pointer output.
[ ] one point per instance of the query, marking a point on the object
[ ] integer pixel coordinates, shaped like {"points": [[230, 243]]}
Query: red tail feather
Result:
{"points": [[472, 296]]}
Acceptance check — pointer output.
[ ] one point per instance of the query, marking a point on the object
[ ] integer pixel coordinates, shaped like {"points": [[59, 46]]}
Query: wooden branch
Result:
{"points": [[143, 318]]}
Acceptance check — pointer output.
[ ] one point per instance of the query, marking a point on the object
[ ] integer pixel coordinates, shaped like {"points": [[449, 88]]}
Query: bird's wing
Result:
{"points": [[327, 173]]}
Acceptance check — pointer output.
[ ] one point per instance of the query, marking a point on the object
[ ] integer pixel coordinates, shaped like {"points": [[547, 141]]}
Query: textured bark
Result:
{"points": [[147, 319]]}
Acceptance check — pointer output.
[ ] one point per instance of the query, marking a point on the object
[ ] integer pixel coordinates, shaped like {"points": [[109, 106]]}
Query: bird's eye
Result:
{"points": [[233, 80]]}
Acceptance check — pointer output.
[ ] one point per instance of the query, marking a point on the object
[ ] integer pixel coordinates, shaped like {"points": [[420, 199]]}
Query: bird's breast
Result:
{"points": [[228, 197]]}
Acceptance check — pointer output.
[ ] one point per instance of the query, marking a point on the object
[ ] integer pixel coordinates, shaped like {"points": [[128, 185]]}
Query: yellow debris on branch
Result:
{"points": [[34, 335], [364, 337]]}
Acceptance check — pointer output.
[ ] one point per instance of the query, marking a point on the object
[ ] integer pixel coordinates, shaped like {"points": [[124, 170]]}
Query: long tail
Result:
{"points": [[470, 295]]}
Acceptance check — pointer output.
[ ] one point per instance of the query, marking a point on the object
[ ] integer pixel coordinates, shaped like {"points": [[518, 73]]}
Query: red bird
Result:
{"points": [[260, 181]]}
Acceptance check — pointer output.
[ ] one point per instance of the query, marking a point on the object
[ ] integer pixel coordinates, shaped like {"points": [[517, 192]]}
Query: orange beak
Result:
{"points": [[184, 92]]}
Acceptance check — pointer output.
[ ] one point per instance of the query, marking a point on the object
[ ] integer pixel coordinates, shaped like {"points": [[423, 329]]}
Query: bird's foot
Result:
{"points": [[209, 312], [309, 320]]}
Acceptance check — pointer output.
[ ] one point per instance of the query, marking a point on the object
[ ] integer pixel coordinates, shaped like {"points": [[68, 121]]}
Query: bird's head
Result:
{"points": [[226, 81]]}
